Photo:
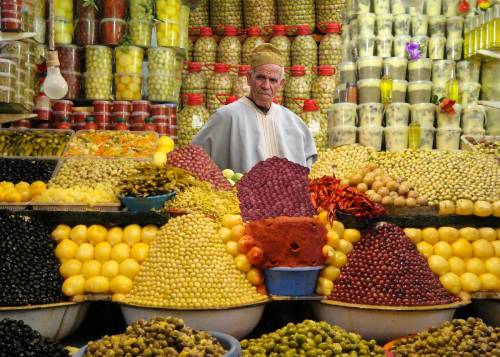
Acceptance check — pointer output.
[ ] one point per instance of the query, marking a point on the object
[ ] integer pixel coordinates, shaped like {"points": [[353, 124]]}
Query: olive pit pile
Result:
{"points": [[310, 338], [188, 267], [385, 268], [275, 187], [157, 337], [29, 269], [16, 170], [471, 337], [19, 339], [192, 158]]}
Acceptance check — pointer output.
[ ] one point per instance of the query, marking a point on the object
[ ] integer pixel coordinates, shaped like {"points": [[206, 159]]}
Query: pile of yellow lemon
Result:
{"points": [[101, 261], [466, 259], [20, 192], [165, 145]]}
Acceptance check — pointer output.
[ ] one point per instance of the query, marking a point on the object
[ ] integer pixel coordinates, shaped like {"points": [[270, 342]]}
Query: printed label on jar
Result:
{"points": [[314, 127], [197, 122]]}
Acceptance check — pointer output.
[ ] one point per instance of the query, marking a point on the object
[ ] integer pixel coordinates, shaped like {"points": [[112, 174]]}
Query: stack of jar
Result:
{"points": [[63, 27], [341, 125], [252, 40], [18, 73], [298, 86], [113, 25], [304, 50], [11, 11], [168, 27], [315, 122], [482, 31], [61, 114], [191, 118], [99, 75], [219, 83], [87, 24], [229, 48], [140, 23], [128, 76], [164, 74], [193, 81], [70, 65]]}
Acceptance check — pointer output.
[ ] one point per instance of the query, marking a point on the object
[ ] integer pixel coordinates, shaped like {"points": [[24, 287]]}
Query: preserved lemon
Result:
{"points": [[148, 233], [66, 249], [85, 252], [102, 251], [130, 268], [91, 268], [62, 231], [70, 267], [74, 285], [120, 284], [79, 234], [110, 269], [96, 234], [114, 236], [120, 252], [139, 252], [132, 234], [96, 285]]}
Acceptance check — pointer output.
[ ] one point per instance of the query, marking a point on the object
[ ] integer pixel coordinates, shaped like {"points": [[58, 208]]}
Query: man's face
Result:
{"points": [[265, 82]]}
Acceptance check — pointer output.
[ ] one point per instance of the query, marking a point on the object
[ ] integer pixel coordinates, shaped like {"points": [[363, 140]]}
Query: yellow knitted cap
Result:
{"points": [[266, 54]]}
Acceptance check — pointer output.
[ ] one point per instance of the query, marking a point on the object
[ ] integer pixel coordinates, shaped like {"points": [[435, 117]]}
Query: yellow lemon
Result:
{"points": [[114, 236], [487, 233], [70, 267], [493, 266], [489, 281], [338, 259], [345, 246], [470, 282], [37, 187], [24, 193], [62, 231], [91, 268], [451, 282], [7, 186], [102, 251], [338, 227], [237, 232], [118, 297], [120, 252], [231, 220], [430, 235], [414, 234], [448, 234], [120, 284], [255, 276], [232, 248], [242, 263], [139, 252], [426, 249], [148, 233], [483, 249], [74, 285], [22, 185], [66, 249], [333, 239], [96, 285], [330, 272], [130, 268], [469, 233], [79, 234], [160, 159], [110, 269], [85, 252], [462, 248], [438, 265], [96, 234], [352, 235], [457, 265], [12, 196], [443, 249], [132, 234], [475, 265], [224, 234]]}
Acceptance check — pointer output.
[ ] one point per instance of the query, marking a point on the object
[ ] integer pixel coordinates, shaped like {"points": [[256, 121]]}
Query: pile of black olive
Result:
{"points": [[18, 339], [28, 170], [29, 269]]}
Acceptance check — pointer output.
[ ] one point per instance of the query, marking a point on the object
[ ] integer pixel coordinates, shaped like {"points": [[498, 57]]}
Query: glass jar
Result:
{"points": [[184, 27], [330, 47], [198, 17], [295, 13], [240, 82], [225, 12], [63, 31], [229, 49], [98, 59], [329, 11], [162, 60], [316, 123], [113, 31], [323, 88], [128, 59], [282, 43], [69, 57], [128, 86], [298, 86], [253, 40], [260, 13], [167, 33], [114, 9], [74, 80], [141, 10], [63, 9], [220, 82], [87, 32], [40, 29], [205, 47], [86, 10], [98, 85], [191, 118], [140, 32], [304, 50], [194, 81]]}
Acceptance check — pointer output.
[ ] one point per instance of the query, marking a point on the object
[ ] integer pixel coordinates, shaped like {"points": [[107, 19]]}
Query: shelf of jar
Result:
{"points": [[490, 104], [16, 36]]}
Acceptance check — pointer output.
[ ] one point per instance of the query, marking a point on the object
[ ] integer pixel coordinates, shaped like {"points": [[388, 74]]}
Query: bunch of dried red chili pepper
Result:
{"points": [[327, 193]]}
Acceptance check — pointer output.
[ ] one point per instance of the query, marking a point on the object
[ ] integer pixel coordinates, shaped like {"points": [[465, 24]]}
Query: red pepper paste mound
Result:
{"points": [[192, 158], [288, 241], [385, 268]]}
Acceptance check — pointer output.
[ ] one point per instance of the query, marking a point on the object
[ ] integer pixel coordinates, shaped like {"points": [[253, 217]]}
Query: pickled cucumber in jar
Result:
{"points": [[330, 47], [193, 81], [282, 43], [330, 10], [163, 87], [229, 49], [140, 32], [323, 88], [220, 82], [298, 86], [141, 9], [161, 60]]}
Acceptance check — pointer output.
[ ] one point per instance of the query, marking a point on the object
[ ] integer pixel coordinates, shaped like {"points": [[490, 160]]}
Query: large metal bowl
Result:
{"points": [[236, 321], [383, 323], [54, 321], [488, 310]]}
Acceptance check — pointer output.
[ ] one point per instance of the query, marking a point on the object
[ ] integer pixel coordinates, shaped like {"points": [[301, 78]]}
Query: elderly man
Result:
{"points": [[252, 129]]}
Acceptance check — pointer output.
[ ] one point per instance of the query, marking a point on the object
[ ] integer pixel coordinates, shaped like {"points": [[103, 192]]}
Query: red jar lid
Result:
{"points": [[221, 68], [253, 31], [279, 30], [230, 30], [231, 99], [194, 99], [194, 67], [206, 31], [326, 70], [303, 30], [332, 27], [310, 105], [243, 70], [297, 70]]}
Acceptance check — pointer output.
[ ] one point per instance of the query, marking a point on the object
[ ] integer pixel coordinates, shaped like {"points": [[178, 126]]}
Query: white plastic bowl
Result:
{"points": [[235, 321], [54, 321], [383, 323]]}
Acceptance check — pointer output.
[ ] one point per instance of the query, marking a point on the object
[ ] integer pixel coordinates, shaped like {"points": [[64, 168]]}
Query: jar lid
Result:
{"points": [[230, 30], [206, 31], [310, 105], [279, 30], [194, 98], [303, 30], [297, 70], [194, 67], [253, 31], [221, 68], [231, 99], [325, 70], [243, 70], [332, 27]]}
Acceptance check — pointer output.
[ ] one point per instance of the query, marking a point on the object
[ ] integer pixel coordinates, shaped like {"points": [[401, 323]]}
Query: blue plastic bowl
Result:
{"points": [[285, 281], [145, 204], [228, 342]]}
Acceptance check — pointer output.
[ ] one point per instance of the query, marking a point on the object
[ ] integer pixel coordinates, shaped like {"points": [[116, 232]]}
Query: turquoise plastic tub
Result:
{"points": [[285, 281], [145, 204]]}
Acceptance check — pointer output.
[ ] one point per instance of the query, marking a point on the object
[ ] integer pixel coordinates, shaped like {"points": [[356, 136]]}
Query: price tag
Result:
{"points": [[314, 127], [196, 122]]}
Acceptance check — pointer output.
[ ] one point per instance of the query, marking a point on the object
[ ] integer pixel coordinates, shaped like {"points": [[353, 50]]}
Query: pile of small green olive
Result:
{"points": [[310, 338], [471, 337], [157, 337]]}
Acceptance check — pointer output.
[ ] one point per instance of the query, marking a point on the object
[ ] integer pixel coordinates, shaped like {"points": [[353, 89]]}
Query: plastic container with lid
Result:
{"points": [[220, 82], [419, 25], [366, 23], [70, 57], [330, 46], [468, 71], [160, 119], [397, 114], [442, 71], [158, 109], [229, 48], [193, 81], [446, 120], [399, 45], [304, 50], [140, 32], [240, 82], [85, 11], [98, 59], [102, 117], [191, 118], [43, 113], [140, 106], [205, 47], [370, 114], [101, 106], [120, 115], [454, 47], [369, 67], [402, 24], [342, 135], [63, 31], [298, 86], [371, 136], [437, 25], [423, 114], [62, 106], [112, 30], [468, 93], [98, 85], [163, 87], [128, 59], [399, 88], [423, 41], [420, 70], [396, 138], [448, 139], [473, 118], [395, 67], [78, 118], [138, 118], [384, 24], [348, 72], [419, 92], [323, 87], [281, 42], [122, 106], [369, 91], [366, 45], [74, 81], [10, 24], [161, 60], [114, 8], [384, 46], [454, 26], [436, 47], [342, 114], [254, 39], [87, 31]]}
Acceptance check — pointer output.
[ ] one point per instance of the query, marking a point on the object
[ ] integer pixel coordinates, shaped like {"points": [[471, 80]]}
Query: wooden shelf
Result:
{"points": [[9, 118], [16, 36]]}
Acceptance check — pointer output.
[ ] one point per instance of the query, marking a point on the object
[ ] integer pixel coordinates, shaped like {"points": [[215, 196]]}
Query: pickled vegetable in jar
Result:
{"points": [[330, 11], [114, 9], [163, 87], [98, 85], [225, 12], [128, 86], [140, 32], [220, 82], [260, 13], [253, 40], [184, 27], [87, 32], [297, 86], [141, 9], [113, 31], [85, 10], [315, 122], [296, 12], [128, 59], [167, 33], [168, 10], [330, 47], [98, 59], [198, 17], [161, 60], [191, 118], [240, 83], [63, 31], [63, 9], [304, 49], [69, 57], [229, 49], [18, 49], [194, 81], [282, 43], [205, 47], [323, 88], [74, 80]]}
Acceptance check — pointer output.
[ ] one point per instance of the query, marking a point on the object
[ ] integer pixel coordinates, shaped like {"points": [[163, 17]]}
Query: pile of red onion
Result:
{"points": [[192, 158], [385, 268], [275, 187]]}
